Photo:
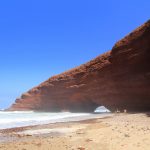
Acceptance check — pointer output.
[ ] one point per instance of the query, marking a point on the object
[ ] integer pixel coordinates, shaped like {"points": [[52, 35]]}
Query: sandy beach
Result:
{"points": [[119, 132]]}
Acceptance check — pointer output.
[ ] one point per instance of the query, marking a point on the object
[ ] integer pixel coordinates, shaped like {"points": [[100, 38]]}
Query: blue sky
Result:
{"points": [[41, 38]]}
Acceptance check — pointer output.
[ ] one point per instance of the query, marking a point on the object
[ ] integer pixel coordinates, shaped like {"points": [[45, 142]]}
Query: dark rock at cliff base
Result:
{"points": [[118, 79]]}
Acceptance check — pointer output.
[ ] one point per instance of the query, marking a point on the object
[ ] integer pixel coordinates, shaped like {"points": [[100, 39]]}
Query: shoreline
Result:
{"points": [[118, 132], [52, 125], [24, 119]]}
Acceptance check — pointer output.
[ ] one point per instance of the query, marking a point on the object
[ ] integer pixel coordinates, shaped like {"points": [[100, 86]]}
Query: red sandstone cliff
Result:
{"points": [[117, 79]]}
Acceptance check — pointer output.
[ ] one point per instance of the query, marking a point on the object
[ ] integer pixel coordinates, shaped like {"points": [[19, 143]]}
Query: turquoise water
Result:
{"points": [[20, 119]]}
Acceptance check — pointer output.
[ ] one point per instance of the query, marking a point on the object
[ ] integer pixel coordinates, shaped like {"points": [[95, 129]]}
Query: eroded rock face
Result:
{"points": [[119, 79]]}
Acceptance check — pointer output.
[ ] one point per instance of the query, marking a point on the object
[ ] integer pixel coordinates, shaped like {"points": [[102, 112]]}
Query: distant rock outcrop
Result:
{"points": [[118, 79]]}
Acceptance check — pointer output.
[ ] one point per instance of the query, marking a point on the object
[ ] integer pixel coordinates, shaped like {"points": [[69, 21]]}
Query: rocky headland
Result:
{"points": [[117, 79]]}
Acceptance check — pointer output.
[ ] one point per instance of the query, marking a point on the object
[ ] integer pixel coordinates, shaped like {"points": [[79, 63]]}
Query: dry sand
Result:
{"points": [[120, 132]]}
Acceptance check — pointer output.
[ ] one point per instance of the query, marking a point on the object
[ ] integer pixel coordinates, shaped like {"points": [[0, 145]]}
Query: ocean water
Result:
{"points": [[21, 118]]}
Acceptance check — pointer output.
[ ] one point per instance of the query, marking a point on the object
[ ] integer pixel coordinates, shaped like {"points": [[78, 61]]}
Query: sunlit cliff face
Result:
{"points": [[118, 79]]}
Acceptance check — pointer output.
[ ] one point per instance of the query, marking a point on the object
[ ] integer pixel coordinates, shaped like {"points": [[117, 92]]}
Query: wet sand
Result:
{"points": [[120, 132]]}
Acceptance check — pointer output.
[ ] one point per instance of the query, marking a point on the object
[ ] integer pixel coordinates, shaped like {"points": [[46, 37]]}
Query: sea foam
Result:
{"points": [[27, 118]]}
